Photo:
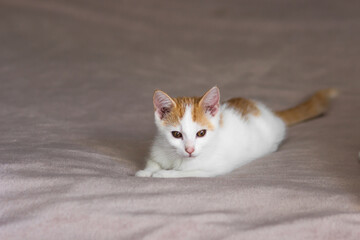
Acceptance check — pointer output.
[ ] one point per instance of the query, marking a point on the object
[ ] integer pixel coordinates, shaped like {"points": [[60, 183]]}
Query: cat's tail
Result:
{"points": [[314, 106]]}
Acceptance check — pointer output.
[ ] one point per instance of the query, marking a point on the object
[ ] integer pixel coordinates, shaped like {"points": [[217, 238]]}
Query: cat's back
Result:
{"points": [[237, 112], [248, 111], [251, 125]]}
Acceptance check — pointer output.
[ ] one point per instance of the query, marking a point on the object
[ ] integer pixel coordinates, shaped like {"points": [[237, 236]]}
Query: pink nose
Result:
{"points": [[189, 150]]}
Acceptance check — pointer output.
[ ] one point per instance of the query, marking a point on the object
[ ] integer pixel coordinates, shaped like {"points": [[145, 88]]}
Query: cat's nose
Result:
{"points": [[189, 150]]}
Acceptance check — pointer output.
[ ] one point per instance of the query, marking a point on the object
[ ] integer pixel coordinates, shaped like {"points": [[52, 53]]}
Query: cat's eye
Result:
{"points": [[201, 133], [176, 134]]}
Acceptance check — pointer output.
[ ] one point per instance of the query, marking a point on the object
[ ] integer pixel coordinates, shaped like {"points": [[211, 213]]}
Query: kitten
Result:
{"points": [[199, 137]]}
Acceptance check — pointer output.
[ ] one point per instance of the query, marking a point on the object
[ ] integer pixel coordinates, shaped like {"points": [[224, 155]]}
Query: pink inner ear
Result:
{"points": [[211, 101], [162, 103]]}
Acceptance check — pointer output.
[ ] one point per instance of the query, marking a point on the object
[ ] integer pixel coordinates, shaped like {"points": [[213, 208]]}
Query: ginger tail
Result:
{"points": [[316, 105]]}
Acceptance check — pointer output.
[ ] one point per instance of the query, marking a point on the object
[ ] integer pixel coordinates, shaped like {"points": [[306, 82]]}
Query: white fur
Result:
{"points": [[238, 141]]}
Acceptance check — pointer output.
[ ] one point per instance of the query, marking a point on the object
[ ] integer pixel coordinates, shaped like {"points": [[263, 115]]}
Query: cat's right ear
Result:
{"points": [[211, 101], [162, 103]]}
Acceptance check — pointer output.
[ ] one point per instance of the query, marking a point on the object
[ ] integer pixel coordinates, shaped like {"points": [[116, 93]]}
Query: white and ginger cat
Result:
{"points": [[199, 137]]}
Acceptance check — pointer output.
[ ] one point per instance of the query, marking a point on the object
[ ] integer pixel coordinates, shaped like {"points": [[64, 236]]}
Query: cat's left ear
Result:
{"points": [[163, 103], [211, 101]]}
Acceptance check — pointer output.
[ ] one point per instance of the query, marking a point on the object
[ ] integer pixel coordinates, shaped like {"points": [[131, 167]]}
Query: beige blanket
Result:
{"points": [[76, 118]]}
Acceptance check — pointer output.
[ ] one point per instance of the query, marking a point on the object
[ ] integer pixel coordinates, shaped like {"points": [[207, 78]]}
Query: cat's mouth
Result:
{"points": [[189, 156]]}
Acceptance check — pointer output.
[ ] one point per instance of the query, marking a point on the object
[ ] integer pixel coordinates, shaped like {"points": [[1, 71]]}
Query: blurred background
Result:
{"points": [[89, 68]]}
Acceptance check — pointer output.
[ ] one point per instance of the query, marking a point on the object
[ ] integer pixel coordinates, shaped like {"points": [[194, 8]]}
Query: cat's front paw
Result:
{"points": [[165, 174], [143, 173]]}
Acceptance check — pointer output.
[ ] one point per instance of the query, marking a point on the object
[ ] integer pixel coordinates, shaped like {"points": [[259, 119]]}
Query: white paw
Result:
{"points": [[164, 174], [143, 173]]}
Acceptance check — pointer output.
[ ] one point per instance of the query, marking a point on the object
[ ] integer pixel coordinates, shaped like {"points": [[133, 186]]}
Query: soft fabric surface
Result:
{"points": [[76, 115]]}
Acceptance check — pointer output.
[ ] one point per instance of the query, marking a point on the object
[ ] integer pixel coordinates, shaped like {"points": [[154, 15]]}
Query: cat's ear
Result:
{"points": [[162, 103], [211, 101]]}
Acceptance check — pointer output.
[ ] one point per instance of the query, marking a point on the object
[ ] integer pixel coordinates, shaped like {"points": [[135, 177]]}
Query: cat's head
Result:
{"points": [[187, 123]]}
